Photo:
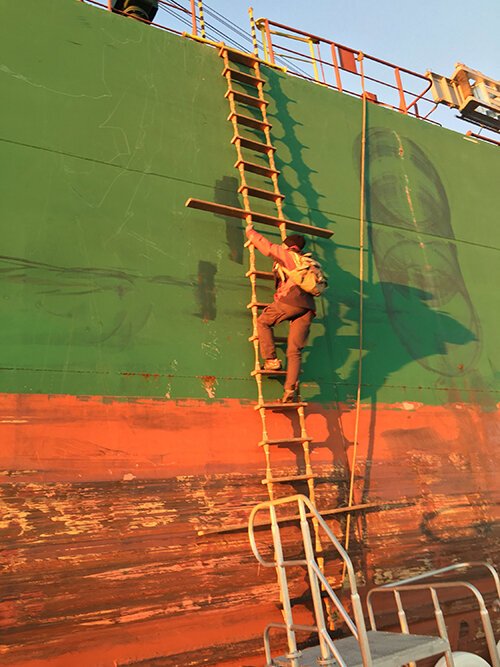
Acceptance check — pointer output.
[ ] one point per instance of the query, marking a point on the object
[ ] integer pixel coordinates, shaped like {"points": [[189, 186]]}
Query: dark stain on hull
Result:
{"points": [[206, 290]]}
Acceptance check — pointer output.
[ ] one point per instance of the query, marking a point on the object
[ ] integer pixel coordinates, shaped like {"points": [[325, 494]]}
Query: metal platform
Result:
{"points": [[388, 649]]}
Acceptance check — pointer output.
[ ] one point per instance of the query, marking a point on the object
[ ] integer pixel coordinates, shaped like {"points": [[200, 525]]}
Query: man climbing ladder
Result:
{"points": [[291, 303]]}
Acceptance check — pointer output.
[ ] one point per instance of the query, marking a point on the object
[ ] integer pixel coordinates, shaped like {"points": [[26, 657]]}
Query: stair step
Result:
{"points": [[241, 119], [251, 100], [259, 304], [264, 275], [263, 371], [282, 480], [238, 56], [284, 441], [279, 406], [388, 649], [234, 212], [252, 144], [257, 168], [243, 77], [262, 194]]}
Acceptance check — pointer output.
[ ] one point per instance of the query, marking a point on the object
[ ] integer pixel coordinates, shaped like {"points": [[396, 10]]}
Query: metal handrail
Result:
{"points": [[304, 59], [490, 140], [404, 586], [268, 29], [287, 501], [356, 627], [450, 568], [193, 15]]}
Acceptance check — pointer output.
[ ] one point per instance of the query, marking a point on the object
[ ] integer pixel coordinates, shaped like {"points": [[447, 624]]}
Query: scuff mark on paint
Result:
{"points": [[209, 383], [211, 349], [146, 376], [128, 477], [408, 405], [13, 473]]}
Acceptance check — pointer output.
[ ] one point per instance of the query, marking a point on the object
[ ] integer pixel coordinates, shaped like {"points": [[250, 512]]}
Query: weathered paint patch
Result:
{"points": [[101, 518], [209, 383]]}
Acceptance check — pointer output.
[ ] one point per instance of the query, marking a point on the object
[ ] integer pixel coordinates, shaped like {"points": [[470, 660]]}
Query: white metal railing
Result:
{"points": [[410, 585], [318, 583], [317, 580]]}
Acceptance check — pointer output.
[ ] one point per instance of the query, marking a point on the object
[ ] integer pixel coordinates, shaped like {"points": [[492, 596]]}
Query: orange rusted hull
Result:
{"points": [[106, 499]]}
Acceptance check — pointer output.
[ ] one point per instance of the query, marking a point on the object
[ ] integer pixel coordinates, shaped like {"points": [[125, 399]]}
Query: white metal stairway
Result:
{"points": [[364, 648]]}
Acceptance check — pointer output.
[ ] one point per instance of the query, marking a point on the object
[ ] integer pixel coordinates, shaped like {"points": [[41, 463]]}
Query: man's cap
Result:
{"points": [[295, 240]]}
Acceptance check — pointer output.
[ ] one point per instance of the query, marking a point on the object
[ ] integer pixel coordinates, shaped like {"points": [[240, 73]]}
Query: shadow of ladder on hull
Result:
{"points": [[248, 114]]}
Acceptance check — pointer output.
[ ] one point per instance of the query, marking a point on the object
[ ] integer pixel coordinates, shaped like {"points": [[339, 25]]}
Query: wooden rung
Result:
{"points": [[242, 77], [292, 478], [259, 304], [251, 100], [279, 406], [238, 56], [252, 144], [285, 441], [257, 168], [232, 211], [264, 275], [262, 194], [248, 121], [263, 371]]}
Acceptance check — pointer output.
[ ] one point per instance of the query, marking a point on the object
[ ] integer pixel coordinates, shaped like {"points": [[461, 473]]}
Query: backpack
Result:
{"points": [[307, 274]]}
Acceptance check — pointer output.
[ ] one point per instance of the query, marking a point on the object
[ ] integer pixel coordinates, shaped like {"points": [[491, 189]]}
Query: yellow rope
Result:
{"points": [[361, 296], [253, 33]]}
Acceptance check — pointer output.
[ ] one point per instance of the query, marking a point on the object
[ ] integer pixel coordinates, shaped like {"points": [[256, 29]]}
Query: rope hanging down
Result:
{"points": [[361, 297]]}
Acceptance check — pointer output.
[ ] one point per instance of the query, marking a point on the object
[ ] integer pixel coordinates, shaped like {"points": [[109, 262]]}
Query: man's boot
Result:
{"points": [[272, 364], [291, 396]]}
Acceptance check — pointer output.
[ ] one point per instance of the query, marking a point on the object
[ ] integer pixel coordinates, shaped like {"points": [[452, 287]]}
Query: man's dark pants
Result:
{"points": [[300, 321]]}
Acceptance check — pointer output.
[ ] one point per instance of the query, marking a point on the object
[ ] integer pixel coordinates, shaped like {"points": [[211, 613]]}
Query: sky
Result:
{"points": [[421, 35]]}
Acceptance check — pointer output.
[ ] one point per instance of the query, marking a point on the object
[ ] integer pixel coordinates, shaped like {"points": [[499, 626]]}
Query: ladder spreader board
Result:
{"points": [[234, 212]]}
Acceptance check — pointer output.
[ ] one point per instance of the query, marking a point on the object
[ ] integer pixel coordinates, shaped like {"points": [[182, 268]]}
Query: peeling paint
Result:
{"points": [[209, 383], [11, 420]]}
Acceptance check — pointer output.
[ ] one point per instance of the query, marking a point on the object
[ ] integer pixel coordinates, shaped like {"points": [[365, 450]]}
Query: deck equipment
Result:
{"points": [[476, 96]]}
